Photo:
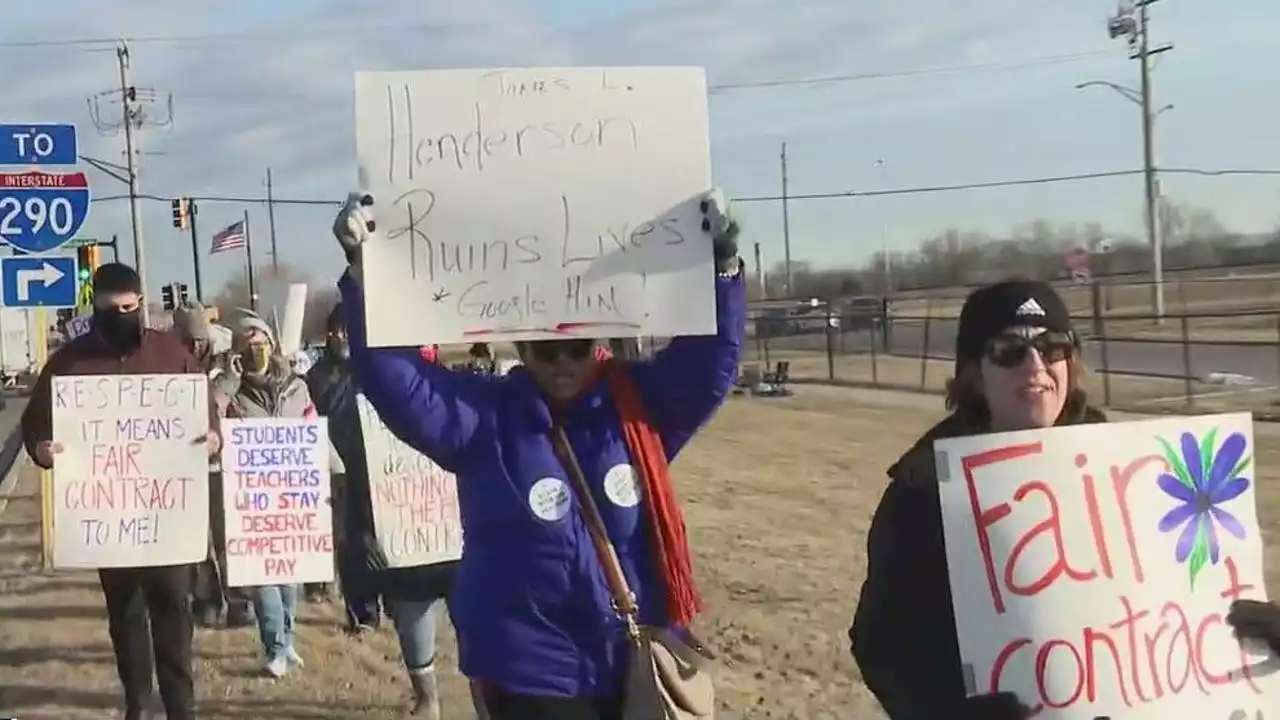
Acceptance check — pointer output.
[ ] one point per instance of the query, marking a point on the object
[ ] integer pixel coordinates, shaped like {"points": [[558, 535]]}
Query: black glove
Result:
{"points": [[718, 220], [996, 706], [1255, 620]]}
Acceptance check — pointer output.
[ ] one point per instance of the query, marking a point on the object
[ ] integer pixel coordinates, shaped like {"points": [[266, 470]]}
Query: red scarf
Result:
{"points": [[670, 540]]}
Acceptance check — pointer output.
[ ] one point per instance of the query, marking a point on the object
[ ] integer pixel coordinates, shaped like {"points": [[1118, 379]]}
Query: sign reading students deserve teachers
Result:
{"points": [[130, 488], [532, 203], [275, 493], [1092, 565]]}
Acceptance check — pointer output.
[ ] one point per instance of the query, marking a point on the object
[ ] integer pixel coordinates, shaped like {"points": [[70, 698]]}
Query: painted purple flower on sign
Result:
{"points": [[1201, 479]]}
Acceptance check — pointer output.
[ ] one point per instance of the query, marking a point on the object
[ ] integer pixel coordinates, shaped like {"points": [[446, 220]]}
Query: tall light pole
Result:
{"points": [[1132, 22], [786, 228], [886, 264]]}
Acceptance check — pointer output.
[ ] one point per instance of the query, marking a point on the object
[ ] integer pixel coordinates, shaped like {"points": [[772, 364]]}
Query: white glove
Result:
{"points": [[354, 225]]}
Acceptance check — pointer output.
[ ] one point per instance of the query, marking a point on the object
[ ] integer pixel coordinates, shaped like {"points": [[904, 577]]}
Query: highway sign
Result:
{"points": [[40, 144], [27, 281], [42, 211]]}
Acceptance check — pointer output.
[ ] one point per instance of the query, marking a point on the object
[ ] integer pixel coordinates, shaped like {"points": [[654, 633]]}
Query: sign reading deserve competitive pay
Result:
{"points": [[275, 493]]}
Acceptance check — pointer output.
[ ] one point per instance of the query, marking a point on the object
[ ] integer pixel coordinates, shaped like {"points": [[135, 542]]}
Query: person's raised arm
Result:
{"points": [[435, 411], [686, 382]]}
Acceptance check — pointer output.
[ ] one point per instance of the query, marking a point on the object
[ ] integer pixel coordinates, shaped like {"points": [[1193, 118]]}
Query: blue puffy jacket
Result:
{"points": [[530, 602]]}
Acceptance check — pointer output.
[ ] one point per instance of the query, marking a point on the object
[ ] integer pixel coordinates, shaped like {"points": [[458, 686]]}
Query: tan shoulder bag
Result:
{"points": [[667, 679]]}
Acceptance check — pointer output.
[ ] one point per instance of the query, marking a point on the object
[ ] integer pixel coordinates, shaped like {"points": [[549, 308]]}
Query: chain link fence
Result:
{"points": [[1217, 347]]}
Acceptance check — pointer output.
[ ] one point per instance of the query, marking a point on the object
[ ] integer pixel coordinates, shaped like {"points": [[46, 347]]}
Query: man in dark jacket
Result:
{"points": [[414, 595], [148, 608], [333, 391], [904, 633]]}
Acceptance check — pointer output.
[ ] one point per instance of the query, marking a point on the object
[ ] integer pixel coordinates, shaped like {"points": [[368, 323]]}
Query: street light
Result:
{"points": [[1132, 23], [883, 165]]}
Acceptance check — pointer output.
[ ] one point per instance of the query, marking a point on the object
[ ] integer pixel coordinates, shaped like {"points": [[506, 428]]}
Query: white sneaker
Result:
{"points": [[293, 658], [278, 666]]}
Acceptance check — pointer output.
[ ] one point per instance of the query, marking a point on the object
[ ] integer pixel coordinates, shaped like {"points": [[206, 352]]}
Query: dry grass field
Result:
{"points": [[778, 496]]}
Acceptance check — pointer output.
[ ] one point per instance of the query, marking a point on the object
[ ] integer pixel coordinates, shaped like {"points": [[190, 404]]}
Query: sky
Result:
{"points": [[944, 92]]}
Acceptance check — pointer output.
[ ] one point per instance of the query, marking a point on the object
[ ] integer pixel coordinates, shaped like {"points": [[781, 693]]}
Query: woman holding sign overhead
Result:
{"points": [[1018, 367], [576, 565]]}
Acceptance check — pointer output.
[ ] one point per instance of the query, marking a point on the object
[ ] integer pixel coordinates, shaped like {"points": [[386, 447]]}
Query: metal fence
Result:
{"points": [[1199, 360]]}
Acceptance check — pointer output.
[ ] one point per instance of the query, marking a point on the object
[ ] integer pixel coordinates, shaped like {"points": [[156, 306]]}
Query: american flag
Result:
{"points": [[231, 237]]}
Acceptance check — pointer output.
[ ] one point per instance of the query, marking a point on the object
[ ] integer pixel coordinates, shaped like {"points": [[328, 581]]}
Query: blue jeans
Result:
{"points": [[276, 607], [416, 622]]}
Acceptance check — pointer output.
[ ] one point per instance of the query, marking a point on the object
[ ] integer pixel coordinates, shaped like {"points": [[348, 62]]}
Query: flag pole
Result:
{"points": [[248, 258]]}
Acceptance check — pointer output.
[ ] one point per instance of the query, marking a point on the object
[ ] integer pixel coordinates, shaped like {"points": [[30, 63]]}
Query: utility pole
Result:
{"points": [[1132, 22], [786, 228], [759, 274], [887, 264], [271, 227], [133, 117], [193, 210]]}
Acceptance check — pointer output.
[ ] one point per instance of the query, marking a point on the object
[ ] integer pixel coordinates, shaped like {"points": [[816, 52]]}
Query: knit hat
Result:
{"points": [[116, 278], [244, 321], [994, 309]]}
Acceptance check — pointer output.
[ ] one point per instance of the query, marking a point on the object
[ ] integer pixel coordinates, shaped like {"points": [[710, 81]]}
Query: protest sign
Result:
{"points": [[130, 488], [1091, 567], [415, 502], [275, 493], [530, 203]]}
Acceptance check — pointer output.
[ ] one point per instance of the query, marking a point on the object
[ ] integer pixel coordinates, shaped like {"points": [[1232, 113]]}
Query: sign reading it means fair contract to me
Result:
{"points": [[275, 485], [415, 502], [533, 203], [130, 486], [1092, 565]]}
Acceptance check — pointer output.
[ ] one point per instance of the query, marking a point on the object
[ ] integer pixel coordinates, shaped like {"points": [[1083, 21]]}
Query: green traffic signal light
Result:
{"points": [[84, 274]]}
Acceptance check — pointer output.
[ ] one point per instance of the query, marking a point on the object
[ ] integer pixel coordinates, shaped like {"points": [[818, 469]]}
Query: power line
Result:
{"points": [[192, 41], [911, 190]]}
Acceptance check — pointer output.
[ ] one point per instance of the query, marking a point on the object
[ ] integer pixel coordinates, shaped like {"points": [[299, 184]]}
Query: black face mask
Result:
{"points": [[123, 330]]}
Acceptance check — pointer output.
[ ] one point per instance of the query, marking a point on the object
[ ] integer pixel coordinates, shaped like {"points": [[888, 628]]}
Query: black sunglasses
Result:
{"points": [[549, 351], [1008, 351]]}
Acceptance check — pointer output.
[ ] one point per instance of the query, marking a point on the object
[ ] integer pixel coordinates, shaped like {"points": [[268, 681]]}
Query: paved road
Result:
{"points": [[1143, 358], [8, 423]]}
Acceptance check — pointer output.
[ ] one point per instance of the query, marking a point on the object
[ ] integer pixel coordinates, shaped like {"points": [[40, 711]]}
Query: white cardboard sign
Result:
{"points": [[275, 487], [415, 502], [528, 203], [131, 486], [1092, 566]]}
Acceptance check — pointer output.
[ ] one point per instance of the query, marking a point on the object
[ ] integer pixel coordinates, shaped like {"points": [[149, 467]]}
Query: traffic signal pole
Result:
{"points": [[195, 248]]}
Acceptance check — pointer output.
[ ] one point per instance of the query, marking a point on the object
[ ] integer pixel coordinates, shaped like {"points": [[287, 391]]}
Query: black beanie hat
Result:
{"points": [[994, 309], [336, 320], [116, 278]]}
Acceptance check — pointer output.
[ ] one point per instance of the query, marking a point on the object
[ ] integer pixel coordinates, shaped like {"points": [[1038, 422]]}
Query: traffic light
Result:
{"points": [[89, 257], [173, 296], [181, 213]]}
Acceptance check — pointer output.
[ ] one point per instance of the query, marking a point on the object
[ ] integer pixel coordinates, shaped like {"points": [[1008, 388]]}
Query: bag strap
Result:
{"points": [[624, 601]]}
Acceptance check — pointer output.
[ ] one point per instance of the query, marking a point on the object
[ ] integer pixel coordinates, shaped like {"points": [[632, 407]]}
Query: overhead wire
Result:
{"points": [[835, 195]]}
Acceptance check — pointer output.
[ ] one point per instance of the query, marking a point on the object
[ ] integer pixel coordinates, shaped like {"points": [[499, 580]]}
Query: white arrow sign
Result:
{"points": [[46, 276]]}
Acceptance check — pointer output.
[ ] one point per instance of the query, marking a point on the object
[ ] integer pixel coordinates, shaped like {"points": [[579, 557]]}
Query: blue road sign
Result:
{"points": [[28, 281], [41, 211], [40, 144]]}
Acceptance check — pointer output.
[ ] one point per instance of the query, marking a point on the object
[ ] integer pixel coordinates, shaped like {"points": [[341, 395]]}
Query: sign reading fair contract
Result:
{"points": [[1092, 567], [533, 203], [275, 492], [415, 502], [130, 488]]}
